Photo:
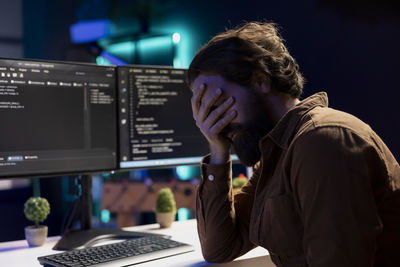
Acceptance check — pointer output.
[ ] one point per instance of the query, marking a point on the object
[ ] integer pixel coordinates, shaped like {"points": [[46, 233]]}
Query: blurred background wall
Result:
{"points": [[350, 49]]}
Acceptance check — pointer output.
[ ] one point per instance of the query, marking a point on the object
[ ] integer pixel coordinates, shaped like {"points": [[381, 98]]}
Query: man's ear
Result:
{"points": [[262, 82]]}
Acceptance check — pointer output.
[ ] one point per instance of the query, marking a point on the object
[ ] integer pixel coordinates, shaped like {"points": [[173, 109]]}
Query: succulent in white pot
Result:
{"points": [[165, 207], [36, 209]]}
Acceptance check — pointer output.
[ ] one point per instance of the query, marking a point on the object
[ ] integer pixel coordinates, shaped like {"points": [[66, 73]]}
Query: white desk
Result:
{"points": [[18, 254]]}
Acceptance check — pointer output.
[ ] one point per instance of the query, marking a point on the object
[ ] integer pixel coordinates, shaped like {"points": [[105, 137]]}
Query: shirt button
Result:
{"points": [[211, 177]]}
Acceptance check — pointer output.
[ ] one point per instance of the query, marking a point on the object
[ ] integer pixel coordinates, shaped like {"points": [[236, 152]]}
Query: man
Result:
{"points": [[325, 189]]}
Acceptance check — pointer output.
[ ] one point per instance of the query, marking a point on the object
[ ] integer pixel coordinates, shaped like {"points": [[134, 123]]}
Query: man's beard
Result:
{"points": [[248, 134], [246, 142]]}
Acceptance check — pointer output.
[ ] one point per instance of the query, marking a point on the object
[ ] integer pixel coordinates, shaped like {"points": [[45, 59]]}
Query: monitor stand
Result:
{"points": [[87, 236]]}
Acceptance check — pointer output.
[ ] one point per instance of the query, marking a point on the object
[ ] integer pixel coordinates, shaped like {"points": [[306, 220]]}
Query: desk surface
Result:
{"points": [[18, 254]]}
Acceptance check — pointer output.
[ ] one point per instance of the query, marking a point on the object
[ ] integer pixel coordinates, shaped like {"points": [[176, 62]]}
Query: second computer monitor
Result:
{"points": [[155, 117]]}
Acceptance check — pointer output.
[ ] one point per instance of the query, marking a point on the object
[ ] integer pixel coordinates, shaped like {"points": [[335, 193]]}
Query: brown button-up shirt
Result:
{"points": [[326, 192]]}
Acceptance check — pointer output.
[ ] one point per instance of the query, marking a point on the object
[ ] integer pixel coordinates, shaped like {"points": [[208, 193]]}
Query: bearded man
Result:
{"points": [[325, 189]]}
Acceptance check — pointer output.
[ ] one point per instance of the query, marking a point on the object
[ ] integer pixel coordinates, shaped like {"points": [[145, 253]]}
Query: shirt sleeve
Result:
{"points": [[331, 180], [223, 219]]}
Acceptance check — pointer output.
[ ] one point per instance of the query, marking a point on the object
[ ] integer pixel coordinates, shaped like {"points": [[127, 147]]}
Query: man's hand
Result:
{"points": [[212, 121]]}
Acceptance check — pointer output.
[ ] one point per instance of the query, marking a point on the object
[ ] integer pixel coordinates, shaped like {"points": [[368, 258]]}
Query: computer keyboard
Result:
{"points": [[125, 253]]}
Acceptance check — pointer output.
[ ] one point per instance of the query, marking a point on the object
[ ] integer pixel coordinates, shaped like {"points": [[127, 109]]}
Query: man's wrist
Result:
{"points": [[216, 178], [219, 157]]}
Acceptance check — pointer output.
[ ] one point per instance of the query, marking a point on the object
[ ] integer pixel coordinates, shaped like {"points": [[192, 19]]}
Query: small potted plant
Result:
{"points": [[165, 207], [238, 182], [36, 210]]}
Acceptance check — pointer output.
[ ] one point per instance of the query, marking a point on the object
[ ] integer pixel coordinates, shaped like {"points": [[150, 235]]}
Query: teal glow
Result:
{"points": [[184, 172], [36, 187], [106, 174], [105, 216], [183, 214], [177, 63], [187, 46], [153, 43], [122, 49], [176, 38], [102, 61]]}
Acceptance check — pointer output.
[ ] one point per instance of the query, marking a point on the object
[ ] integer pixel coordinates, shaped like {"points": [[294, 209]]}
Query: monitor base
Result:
{"points": [[75, 239]]}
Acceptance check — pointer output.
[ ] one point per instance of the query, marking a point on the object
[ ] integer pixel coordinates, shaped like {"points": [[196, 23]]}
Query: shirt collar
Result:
{"points": [[285, 129]]}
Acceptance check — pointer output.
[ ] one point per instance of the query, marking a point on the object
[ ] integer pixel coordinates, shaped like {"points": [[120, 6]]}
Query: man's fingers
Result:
{"points": [[196, 98], [218, 112], [211, 121], [222, 123], [207, 104]]}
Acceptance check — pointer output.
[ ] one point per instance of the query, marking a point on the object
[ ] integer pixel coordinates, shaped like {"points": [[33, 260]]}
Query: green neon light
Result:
{"points": [[105, 216], [177, 63], [183, 214], [176, 38], [188, 44], [184, 172], [102, 61], [123, 48], [154, 43]]}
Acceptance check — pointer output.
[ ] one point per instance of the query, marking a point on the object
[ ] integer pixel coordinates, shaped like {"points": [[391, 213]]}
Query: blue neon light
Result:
{"points": [[90, 31], [112, 59]]}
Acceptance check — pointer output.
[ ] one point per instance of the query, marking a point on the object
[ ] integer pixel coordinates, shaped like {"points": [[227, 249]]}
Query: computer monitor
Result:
{"points": [[57, 118], [156, 125]]}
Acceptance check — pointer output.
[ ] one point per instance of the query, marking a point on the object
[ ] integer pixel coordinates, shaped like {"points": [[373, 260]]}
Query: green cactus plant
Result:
{"points": [[36, 209], [165, 201]]}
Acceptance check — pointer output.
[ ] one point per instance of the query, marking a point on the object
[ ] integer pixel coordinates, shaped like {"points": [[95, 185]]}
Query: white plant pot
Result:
{"points": [[165, 219], [36, 236]]}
